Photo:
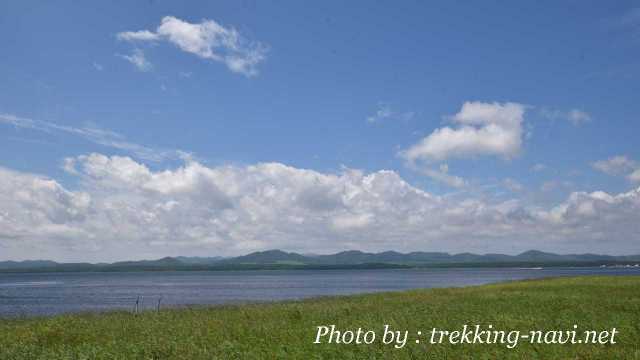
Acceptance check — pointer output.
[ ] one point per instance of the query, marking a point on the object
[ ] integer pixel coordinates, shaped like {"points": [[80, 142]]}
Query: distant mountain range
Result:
{"points": [[355, 257], [278, 259]]}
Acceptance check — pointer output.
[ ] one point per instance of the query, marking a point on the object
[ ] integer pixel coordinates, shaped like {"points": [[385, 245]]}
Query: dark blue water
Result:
{"points": [[54, 293]]}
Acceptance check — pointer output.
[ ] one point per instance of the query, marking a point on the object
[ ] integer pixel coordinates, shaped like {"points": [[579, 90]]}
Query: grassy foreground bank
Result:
{"points": [[287, 330]]}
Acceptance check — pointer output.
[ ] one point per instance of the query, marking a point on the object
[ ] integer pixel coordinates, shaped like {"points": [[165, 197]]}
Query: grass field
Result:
{"points": [[288, 330]]}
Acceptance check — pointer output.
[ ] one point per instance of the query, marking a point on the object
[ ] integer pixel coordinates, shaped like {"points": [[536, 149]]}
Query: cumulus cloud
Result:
{"points": [[492, 129], [122, 207], [208, 40], [36, 210]]}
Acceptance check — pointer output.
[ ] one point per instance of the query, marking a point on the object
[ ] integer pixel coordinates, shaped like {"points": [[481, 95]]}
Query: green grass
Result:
{"points": [[287, 330]]}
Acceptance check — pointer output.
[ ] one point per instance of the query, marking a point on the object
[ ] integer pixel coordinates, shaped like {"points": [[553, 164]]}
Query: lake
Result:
{"points": [[34, 294]]}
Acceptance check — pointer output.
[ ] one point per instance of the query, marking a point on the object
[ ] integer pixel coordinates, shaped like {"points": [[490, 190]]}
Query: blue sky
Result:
{"points": [[325, 87]]}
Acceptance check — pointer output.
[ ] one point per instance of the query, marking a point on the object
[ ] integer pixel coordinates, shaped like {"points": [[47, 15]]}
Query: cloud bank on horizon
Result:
{"points": [[124, 207]]}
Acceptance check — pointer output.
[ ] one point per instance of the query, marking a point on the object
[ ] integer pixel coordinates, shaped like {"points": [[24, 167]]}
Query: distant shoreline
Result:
{"points": [[353, 259], [70, 268]]}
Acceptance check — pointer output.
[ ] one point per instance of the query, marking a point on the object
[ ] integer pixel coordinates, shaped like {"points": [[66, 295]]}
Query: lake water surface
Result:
{"points": [[23, 294]]}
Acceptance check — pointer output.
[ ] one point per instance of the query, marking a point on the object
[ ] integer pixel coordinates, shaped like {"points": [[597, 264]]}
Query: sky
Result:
{"points": [[150, 129]]}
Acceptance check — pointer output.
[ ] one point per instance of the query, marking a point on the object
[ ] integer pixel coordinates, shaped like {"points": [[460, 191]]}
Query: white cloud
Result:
{"points": [[142, 35], [589, 211], [619, 165], [208, 40], [37, 210], [98, 66], [122, 208], [138, 60], [615, 165], [492, 129], [95, 135], [576, 117]]}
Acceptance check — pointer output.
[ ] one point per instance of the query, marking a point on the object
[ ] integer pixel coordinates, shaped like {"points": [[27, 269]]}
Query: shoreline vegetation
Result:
{"points": [[288, 329], [280, 260]]}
